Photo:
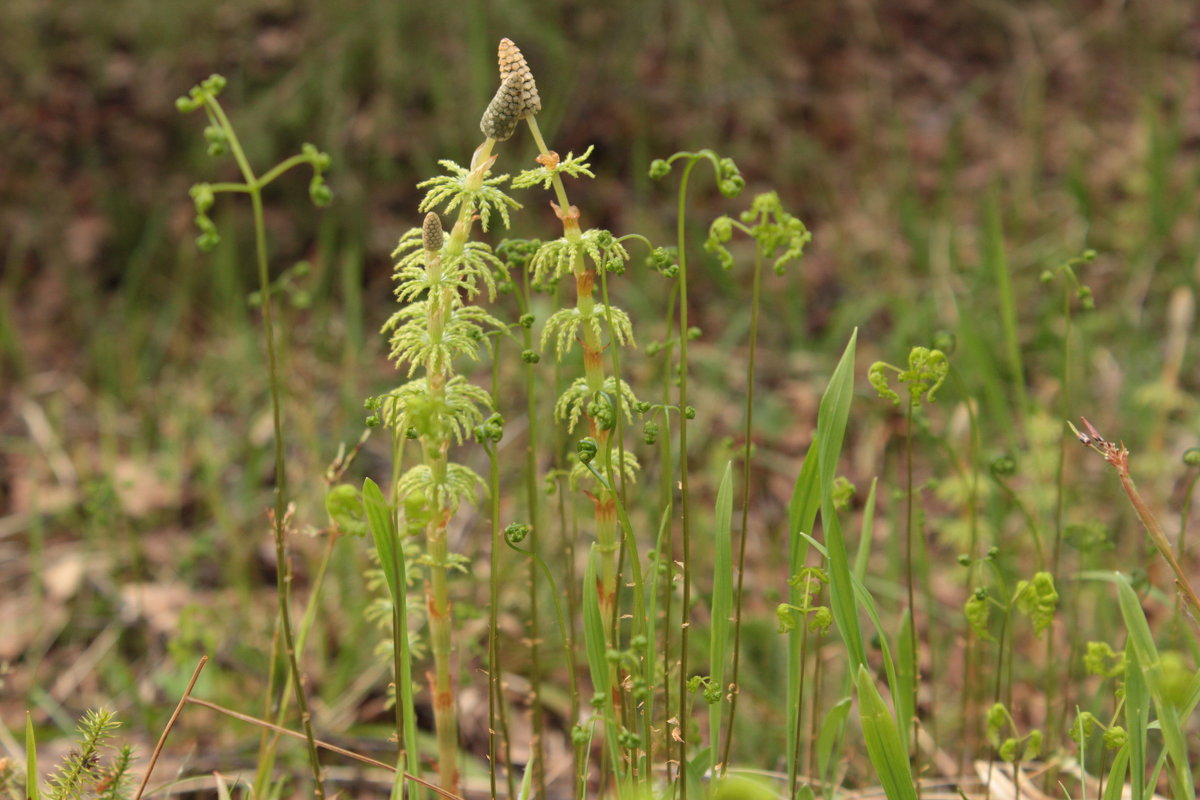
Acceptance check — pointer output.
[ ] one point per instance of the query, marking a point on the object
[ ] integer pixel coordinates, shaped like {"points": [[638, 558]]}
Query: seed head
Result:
{"points": [[504, 112], [513, 63], [431, 233]]}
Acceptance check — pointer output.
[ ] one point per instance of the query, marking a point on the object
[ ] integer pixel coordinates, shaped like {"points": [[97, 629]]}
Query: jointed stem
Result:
{"points": [[532, 495]]}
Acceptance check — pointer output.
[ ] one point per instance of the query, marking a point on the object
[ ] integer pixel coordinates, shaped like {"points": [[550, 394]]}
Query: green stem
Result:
{"points": [[684, 495], [283, 566], [795, 761], [1157, 536], [909, 524], [748, 432], [532, 500], [408, 750]]}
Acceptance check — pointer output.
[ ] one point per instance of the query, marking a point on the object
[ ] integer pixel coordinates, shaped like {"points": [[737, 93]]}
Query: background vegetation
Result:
{"points": [[931, 147]]}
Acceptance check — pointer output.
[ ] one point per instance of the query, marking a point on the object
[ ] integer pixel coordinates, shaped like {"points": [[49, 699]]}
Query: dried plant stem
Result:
{"points": [[1118, 457], [333, 748], [162, 740], [1158, 537]]}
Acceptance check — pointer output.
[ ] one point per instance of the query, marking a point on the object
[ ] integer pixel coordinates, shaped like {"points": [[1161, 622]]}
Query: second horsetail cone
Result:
{"points": [[513, 63]]}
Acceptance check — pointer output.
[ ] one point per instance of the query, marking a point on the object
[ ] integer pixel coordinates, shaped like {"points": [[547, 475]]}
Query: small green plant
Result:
{"points": [[88, 771]]}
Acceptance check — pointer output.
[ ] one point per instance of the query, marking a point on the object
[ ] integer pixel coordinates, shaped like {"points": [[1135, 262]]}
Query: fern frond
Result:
{"points": [[562, 328], [605, 251], [572, 165], [580, 472], [553, 260], [461, 484], [457, 189], [572, 402], [569, 406]]}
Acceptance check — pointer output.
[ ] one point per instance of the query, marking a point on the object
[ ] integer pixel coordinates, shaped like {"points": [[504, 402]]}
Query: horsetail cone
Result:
{"points": [[431, 233], [513, 63], [505, 111]]}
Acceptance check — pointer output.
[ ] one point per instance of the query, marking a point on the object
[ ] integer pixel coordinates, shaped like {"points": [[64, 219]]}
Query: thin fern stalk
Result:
{"points": [[730, 183], [306, 623], [684, 491], [909, 525], [1054, 714], [278, 517], [569, 536], [494, 680], [667, 504], [495, 667], [814, 709], [1001, 648], [747, 433], [794, 762]]}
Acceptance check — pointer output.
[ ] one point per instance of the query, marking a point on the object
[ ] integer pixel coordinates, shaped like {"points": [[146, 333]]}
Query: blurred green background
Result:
{"points": [[134, 416]]}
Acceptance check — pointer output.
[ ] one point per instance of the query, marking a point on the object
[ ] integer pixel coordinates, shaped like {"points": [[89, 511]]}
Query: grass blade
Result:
{"points": [[831, 430], [722, 602], [886, 750], [383, 531], [997, 262], [1147, 662], [1137, 718], [864, 539], [807, 499], [31, 774], [802, 513], [1114, 789], [832, 728], [391, 560]]}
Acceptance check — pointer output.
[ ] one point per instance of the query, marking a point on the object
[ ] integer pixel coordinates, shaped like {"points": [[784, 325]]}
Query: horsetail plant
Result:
{"points": [[221, 139], [436, 275], [598, 396]]}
